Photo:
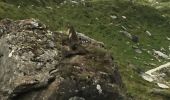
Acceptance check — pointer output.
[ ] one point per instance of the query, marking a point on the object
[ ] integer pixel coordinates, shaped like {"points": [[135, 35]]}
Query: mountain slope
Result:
{"points": [[103, 20]]}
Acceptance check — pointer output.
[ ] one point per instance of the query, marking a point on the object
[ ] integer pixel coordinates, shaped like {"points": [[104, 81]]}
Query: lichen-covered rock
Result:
{"points": [[38, 64]]}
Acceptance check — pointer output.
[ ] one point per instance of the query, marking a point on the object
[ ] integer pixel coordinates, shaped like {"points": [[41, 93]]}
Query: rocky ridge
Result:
{"points": [[39, 64]]}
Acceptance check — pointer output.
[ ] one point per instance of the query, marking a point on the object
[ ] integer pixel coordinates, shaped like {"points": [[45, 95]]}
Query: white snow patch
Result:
{"points": [[162, 86], [158, 68], [49, 7], [126, 33], [161, 54], [148, 33], [19, 6], [98, 87], [138, 51], [124, 17], [75, 2], [157, 2], [10, 54], [113, 16], [97, 18], [123, 27], [147, 77], [168, 38]]}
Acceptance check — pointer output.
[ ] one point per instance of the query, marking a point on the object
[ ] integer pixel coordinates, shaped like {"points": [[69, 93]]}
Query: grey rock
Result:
{"points": [[138, 51], [76, 98], [135, 38], [33, 66]]}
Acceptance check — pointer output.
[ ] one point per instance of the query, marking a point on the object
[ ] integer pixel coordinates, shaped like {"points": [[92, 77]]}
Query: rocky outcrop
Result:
{"points": [[38, 64]]}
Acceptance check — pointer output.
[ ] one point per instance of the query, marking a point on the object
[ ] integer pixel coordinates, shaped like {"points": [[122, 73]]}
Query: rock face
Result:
{"points": [[38, 64]]}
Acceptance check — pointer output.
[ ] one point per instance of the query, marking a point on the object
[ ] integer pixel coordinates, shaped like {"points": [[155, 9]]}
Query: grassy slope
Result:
{"points": [[94, 20]]}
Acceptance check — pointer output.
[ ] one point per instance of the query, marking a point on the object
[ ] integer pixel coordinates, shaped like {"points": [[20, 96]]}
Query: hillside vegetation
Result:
{"points": [[103, 20]]}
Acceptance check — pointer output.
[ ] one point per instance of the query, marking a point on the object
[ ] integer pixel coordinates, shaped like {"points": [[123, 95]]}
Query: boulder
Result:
{"points": [[33, 66], [134, 38]]}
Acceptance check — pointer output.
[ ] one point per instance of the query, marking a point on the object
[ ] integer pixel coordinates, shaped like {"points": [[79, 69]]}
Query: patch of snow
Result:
{"points": [[97, 18], [162, 86], [75, 2], [149, 52], [152, 76], [10, 54], [163, 15], [127, 34], [65, 2], [152, 59], [157, 2], [147, 77], [113, 16], [124, 28], [148, 33], [168, 38], [158, 68], [19, 6], [49, 8], [161, 54], [124, 17], [98, 87], [138, 51], [127, 42], [169, 47]]}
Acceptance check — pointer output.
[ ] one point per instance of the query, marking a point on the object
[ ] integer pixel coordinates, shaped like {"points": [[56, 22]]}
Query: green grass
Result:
{"points": [[93, 19]]}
